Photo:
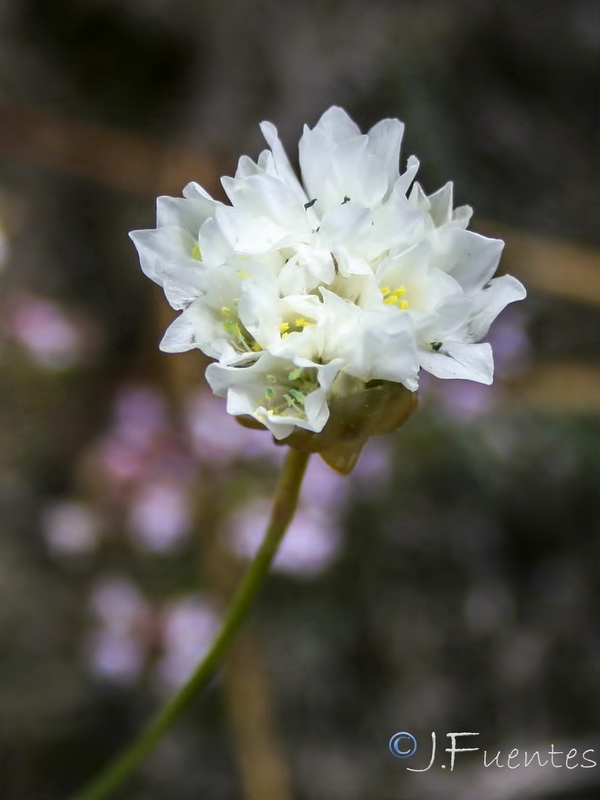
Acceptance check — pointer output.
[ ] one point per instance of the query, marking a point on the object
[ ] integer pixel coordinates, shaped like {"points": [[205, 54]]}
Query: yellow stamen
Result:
{"points": [[242, 274], [196, 253], [256, 347], [284, 327], [225, 310], [301, 322], [393, 297]]}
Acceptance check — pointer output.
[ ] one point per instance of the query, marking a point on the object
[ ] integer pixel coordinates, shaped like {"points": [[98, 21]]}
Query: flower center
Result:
{"points": [[287, 397], [238, 333], [295, 326], [394, 297]]}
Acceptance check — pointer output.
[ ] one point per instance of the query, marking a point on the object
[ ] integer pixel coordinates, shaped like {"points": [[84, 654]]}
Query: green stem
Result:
{"points": [[284, 506]]}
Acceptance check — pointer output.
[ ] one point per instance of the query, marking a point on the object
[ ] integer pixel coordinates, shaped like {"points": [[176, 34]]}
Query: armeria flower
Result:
{"points": [[309, 294]]}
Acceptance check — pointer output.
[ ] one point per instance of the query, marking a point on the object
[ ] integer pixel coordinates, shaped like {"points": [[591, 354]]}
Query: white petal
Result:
{"points": [[418, 197], [491, 301], [245, 390], [315, 405], [395, 223], [214, 248], [247, 234], [403, 183], [462, 216], [265, 198], [281, 161], [440, 205], [165, 258], [450, 319], [350, 265], [385, 139], [183, 284], [470, 258], [259, 308], [246, 167], [218, 378], [341, 223], [356, 174], [280, 202], [337, 125], [192, 329], [473, 362], [159, 245], [266, 163], [194, 191], [389, 349], [183, 213], [315, 152], [378, 344]]}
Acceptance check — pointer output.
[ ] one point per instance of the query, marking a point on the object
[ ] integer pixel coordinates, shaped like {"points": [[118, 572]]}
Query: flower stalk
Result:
{"points": [[282, 513]]}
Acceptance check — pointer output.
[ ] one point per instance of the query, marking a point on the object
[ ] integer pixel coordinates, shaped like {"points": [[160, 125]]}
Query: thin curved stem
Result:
{"points": [[284, 506]]}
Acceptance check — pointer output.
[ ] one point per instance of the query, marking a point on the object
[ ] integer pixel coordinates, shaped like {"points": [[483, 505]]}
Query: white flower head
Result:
{"points": [[305, 291]]}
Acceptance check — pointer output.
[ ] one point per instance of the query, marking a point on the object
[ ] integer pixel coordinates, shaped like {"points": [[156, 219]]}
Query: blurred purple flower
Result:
{"points": [[46, 331], [116, 655], [116, 648], [189, 626], [70, 528], [160, 515], [373, 466], [326, 488], [139, 415], [464, 400], [141, 444], [512, 347], [215, 440], [309, 546], [120, 461], [118, 604]]}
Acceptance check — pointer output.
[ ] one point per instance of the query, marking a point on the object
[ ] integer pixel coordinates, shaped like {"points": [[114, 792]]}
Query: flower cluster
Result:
{"points": [[309, 291]]}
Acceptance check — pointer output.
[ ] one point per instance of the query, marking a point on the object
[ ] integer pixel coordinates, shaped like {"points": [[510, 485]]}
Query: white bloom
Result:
{"points": [[307, 290]]}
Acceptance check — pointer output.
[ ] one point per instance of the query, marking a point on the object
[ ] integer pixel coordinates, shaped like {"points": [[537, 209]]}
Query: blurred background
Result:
{"points": [[451, 582]]}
